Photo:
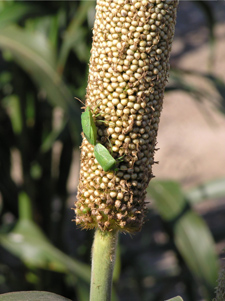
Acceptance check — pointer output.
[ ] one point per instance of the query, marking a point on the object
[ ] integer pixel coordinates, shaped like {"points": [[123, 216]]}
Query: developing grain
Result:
{"points": [[127, 76]]}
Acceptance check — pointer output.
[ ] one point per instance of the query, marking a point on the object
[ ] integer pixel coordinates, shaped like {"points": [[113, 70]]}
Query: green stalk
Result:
{"points": [[103, 260]]}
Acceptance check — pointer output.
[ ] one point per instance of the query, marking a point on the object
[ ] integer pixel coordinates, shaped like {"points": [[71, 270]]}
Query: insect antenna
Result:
{"points": [[81, 102]]}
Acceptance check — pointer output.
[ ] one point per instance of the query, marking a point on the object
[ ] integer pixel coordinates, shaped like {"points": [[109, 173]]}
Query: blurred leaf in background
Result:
{"points": [[39, 131]]}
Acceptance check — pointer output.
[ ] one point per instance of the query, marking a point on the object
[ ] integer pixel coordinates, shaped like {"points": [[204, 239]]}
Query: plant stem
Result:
{"points": [[103, 260]]}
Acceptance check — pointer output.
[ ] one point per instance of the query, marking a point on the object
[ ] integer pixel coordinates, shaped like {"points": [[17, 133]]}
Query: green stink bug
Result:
{"points": [[88, 126], [101, 153], [103, 157]]}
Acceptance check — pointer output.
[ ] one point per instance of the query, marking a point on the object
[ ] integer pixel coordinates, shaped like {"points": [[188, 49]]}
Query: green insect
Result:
{"points": [[102, 155], [88, 126]]}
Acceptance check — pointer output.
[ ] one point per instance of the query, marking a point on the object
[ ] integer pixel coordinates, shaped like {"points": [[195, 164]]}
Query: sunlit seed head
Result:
{"points": [[127, 75]]}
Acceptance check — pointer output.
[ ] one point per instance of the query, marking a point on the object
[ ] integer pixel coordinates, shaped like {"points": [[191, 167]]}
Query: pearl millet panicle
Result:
{"points": [[128, 71]]}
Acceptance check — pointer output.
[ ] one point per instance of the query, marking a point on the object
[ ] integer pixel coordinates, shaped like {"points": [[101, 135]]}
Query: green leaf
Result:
{"points": [[32, 296], [27, 242], [219, 85], [82, 291], [168, 198], [207, 191], [5, 78], [80, 46], [35, 170], [53, 136], [25, 207], [13, 12], [34, 54], [191, 235], [73, 35], [12, 103], [195, 243], [178, 298]]}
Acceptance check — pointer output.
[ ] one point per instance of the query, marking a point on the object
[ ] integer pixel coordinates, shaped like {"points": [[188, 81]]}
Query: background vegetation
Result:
{"points": [[45, 48]]}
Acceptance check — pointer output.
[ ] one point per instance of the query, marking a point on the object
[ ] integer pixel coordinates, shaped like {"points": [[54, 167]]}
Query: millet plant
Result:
{"points": [[128, 72]]}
